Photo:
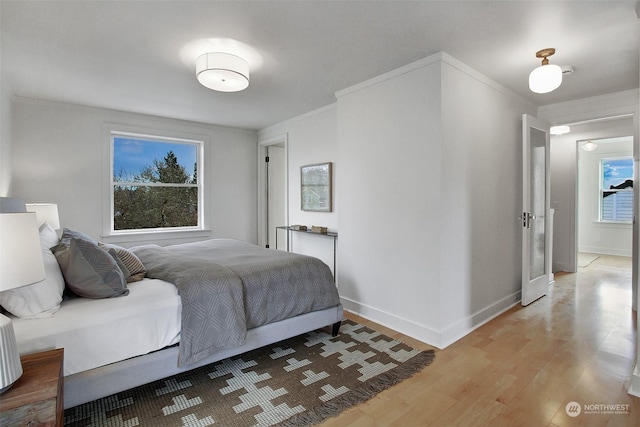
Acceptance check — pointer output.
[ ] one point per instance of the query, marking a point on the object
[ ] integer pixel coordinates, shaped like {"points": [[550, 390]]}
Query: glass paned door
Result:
{"points": [[535, 209]]}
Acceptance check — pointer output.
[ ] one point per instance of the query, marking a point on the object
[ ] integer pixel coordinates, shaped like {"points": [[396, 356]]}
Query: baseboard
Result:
{"points": [[469, 324], [397, 323], [604, 251], [439, 339]]}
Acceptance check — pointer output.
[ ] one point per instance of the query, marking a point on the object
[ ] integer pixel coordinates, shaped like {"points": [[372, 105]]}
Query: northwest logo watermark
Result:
{"points": [[573, 409]]}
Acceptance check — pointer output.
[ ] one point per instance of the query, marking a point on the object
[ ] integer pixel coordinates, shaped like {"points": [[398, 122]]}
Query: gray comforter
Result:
{"points": [[228, 286]]}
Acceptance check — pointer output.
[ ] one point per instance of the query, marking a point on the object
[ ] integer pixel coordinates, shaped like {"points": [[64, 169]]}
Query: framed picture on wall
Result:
{"points": [[315, 188]]}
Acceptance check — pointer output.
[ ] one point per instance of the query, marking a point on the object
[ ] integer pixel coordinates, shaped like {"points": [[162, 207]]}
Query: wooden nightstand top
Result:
{"points": [[40, 382]]}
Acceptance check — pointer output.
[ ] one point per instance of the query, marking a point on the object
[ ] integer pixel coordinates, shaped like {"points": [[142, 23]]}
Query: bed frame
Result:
{"points": [[116, 377]]}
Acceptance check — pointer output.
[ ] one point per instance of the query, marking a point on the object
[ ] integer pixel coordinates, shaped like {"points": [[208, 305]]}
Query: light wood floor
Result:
{"points": [[577, 344]]}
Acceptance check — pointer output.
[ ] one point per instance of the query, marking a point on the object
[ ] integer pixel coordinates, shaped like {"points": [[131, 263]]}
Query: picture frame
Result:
{"points": [[315, 187]]}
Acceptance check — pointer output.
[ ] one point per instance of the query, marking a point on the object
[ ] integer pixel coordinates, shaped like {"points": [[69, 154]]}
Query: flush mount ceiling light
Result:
{"points": [[222, 71], [589, 146], [559, 130], [546, 77]]}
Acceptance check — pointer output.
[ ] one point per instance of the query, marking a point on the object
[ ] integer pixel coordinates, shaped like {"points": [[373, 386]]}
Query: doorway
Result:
{"points": [[273, 184], [565, 187], [605, 198]]}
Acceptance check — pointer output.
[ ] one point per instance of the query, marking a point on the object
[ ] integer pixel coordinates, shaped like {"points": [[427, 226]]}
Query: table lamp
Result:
{"points": [[45, 212], [21, 264]]}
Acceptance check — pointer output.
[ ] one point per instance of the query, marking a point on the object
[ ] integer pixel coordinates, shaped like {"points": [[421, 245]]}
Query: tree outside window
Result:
{"points": [[155, 183], [616, 189]]}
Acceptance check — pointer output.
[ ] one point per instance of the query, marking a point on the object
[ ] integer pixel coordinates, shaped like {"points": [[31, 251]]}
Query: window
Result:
{"points": [[155, 183], [616, 189]]}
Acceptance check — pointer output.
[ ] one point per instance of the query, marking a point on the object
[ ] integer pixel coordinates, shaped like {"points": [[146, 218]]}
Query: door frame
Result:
{"points": [[605, 134], [263, 190]]}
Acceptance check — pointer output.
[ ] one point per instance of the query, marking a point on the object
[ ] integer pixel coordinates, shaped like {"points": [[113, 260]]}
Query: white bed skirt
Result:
{"points": [[103, 381]]}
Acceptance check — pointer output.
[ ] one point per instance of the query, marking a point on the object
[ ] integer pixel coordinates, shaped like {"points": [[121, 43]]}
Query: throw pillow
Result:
{"points": [[89, 271], [132, 263]]}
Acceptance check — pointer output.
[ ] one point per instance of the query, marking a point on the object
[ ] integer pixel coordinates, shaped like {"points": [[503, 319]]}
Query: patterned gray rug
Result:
{"points": [[298, 382]]}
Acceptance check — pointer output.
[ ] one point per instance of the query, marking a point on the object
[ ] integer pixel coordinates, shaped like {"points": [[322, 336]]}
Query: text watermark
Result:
{"points": [[573, 409]]}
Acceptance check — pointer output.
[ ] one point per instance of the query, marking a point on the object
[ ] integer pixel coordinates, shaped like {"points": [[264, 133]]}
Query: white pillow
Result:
{"points": [[41, 299]]}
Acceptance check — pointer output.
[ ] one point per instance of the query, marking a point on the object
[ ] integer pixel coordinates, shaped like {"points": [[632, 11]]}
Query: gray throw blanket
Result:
{"points": [[228, 286]]}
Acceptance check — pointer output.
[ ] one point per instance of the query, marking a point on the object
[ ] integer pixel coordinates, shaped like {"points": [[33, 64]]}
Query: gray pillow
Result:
{"points": [[89, 271], [129, 263]]}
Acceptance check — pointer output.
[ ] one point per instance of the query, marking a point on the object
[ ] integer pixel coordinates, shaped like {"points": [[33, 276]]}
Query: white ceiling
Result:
{"points": [[140, 56]]}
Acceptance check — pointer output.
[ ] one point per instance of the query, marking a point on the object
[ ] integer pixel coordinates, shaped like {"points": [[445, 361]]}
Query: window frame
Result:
{"points": [[602, 190], [110, 235]]}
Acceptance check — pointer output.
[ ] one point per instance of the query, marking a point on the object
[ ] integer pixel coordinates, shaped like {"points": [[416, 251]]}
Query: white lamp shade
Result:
{"points": [[10, 366], [21, 260], [545, 78], [589, 146], [45, 212], [223, 72]]}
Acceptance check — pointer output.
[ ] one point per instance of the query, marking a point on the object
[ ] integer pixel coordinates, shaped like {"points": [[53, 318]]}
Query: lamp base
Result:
{"points": [[10, 364], [2, 390]]}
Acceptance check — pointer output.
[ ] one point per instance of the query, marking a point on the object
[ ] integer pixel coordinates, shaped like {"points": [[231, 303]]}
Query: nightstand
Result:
{"points": [[36, 398]]}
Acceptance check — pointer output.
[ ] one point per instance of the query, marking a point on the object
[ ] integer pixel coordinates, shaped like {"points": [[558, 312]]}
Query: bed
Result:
{"points": [[198, 303]]}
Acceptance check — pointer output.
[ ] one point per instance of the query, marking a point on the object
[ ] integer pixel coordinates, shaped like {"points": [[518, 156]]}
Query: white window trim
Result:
{"points": [[602, 190], [109, 235], [612, 224]]}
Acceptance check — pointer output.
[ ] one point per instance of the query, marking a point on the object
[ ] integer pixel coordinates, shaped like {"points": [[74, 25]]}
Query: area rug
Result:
{"points": [[297, 382], [584, 259]]}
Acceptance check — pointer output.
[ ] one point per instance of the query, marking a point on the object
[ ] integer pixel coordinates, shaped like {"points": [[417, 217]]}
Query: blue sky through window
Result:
{"points": [[131, 155]]}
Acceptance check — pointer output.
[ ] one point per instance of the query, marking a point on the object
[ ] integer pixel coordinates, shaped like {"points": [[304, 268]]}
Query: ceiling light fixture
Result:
{"points": [[545, 78], [222, 71], [589, 146], [559, 130]]}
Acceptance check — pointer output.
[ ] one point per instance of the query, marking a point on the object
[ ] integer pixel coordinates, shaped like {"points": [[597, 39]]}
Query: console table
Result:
{"points": [[289, 230]]}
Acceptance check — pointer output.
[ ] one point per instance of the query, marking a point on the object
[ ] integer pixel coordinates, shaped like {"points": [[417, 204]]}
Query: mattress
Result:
{"points": [[146, 320]]}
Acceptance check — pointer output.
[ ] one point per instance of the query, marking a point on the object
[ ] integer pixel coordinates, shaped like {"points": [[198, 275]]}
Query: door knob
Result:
{"points": [[526, 218]]}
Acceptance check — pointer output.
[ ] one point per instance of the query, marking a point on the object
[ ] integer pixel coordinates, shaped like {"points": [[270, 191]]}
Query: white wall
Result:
{"points": [[58, 155], [5, 140], [5, 131], [595, 236], [390, 151], [430, 193], [311, 138], [482, 154]]}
